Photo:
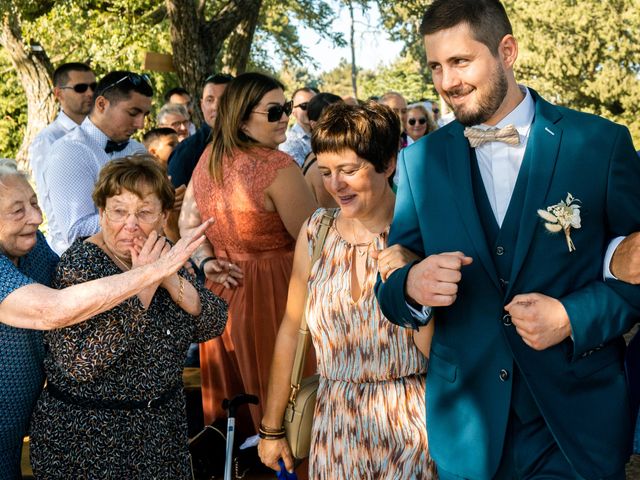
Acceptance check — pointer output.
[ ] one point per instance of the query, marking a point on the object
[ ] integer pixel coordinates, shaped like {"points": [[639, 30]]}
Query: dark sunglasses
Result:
{"points": [[82, 87], [219, 78], [274, 113], [421, 121], [135, 79], [302, 106]]}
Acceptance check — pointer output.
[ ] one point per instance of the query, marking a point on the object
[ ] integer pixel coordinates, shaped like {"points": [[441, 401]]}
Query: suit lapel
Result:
{"points": [[543, 146], [458, 162]]}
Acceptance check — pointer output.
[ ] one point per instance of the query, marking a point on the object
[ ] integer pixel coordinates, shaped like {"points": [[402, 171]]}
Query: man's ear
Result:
{"points": [[57, 91], [391, 168], [508, 50], [152, 150], [101, 104]]}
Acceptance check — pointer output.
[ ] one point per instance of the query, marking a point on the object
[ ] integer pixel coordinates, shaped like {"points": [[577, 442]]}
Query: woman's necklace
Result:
{"points": [[358, 244], [113, 255]]}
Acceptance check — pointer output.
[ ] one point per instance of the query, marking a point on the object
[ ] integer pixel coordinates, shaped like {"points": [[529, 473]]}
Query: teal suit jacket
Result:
{"points": [[578, 385]]}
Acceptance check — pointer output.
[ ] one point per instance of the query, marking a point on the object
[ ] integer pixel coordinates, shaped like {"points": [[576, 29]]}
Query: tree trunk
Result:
{"points": [[196, 43], [34, 70], [352, 41], [238, 49]]}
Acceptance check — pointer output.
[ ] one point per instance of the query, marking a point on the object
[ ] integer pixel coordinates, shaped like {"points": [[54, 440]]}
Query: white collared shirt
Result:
{"points": [[40, 148], [500, 163], [73, 167], [297, 144]]}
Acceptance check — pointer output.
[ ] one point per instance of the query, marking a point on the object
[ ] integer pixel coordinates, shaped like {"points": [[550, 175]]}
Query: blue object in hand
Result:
{"points": [[283, 474]]}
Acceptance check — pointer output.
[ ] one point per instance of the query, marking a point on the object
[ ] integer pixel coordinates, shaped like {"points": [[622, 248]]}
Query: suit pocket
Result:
{"points": [[595, 360], [442, 368]]}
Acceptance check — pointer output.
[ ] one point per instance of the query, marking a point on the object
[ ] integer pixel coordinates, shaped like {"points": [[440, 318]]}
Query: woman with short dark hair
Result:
{"points": [[113, 406], [369, 419]]}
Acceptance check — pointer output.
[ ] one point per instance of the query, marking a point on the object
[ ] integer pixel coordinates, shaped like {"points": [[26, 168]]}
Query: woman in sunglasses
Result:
{"points": [[419, 122], [259, 200]]}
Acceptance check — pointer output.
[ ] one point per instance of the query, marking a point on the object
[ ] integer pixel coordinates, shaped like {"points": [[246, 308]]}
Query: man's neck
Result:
{"points": [[100, 125], [78, 118], [511, 100]]}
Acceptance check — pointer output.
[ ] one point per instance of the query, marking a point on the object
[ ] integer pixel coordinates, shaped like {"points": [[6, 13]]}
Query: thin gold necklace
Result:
{"points": [[358, 244]]}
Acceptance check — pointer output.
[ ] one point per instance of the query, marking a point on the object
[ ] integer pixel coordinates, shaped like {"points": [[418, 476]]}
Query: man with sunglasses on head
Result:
{"points": [[73, 87], [122, 100], [185, 156], [298, 143]]}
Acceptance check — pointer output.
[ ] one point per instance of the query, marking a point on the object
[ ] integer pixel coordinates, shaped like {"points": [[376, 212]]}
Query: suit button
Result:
{"points": [[504, 283], [506, 320], [504, 375], [499, 250]]}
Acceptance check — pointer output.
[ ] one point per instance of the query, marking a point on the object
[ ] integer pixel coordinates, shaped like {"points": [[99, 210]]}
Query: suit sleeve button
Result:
{"points": [[506, 320], [499, 250], [504, 375]]}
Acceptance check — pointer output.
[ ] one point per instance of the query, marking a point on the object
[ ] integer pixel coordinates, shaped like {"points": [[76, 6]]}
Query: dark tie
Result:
{"points": [[479, 136], [112, 146]]}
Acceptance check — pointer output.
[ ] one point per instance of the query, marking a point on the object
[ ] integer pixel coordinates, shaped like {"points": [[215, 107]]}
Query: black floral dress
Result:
{"points": [[126, 353]]}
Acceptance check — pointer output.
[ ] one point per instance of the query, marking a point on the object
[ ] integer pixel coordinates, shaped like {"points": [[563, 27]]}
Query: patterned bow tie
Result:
{"points": [[112, 146], [478, 136]]}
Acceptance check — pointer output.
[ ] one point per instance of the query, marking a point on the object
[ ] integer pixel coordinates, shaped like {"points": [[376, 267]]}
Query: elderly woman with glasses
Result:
{"points": [[113, 405], [27, 304], [259, 200], [419, 123]]}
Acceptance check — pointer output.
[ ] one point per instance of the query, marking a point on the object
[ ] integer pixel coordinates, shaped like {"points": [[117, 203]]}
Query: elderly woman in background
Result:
{"points": [[259, 200], [113, 406], [420, 122], [27, 304], [369, 419]]}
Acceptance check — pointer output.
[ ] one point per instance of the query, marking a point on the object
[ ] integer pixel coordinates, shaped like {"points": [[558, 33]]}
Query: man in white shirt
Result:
{"points": [[122, 101], [298, 142], [73, 87], [512, 206]]}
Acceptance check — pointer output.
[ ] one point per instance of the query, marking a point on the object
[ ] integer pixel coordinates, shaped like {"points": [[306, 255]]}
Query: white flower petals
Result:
{"points": [[562, 217]]}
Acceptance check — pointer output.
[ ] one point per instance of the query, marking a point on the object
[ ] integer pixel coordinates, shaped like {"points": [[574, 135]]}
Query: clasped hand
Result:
{"points": [[223, 272]]}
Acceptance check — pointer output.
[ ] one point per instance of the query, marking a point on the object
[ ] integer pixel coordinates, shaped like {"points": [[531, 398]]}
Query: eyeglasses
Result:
{"points": [[274, 113], [302, 106], [136, 80], [119, 215], [421, 121], [81, 87], [177, 125]]}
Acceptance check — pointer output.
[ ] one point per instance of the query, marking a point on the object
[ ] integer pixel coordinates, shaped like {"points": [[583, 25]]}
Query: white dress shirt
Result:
{"points": [[74, 164], [297, 144], [39, 151]]}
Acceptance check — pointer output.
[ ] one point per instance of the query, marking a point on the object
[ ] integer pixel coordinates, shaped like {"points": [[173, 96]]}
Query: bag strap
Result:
{"points": [[303, 333]]}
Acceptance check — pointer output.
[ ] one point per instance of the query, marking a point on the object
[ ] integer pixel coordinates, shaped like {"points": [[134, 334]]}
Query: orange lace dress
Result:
{"points": [[256, 240]]}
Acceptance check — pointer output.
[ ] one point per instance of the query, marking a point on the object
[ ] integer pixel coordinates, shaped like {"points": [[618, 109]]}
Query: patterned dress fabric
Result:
{"points": [[21, 356], [369, 420], [126, 353], [258, 242]]}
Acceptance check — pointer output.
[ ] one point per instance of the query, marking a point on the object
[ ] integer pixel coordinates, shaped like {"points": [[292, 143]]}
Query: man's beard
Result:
{"points": [[488, 103]]}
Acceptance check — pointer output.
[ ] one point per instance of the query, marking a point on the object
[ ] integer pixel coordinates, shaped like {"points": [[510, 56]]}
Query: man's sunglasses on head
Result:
{"points": [[135, 79], [302, 106], [81, 87]]}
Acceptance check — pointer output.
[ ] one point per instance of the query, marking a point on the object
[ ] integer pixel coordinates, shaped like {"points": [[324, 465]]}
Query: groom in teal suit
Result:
{"points": [[513, 206]]}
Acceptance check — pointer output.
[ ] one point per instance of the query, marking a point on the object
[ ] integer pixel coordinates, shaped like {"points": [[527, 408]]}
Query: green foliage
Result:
{"points": [[404, 76], [585, 55], [13, 109]]}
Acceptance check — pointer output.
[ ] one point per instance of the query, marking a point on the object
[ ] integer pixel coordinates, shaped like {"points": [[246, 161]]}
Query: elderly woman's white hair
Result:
{"points": [[171, 109], [8, 168]]}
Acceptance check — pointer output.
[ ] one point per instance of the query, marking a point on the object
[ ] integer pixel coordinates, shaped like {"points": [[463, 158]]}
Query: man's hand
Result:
{"points": [[625, 263], [434, 281], [541, 321]]}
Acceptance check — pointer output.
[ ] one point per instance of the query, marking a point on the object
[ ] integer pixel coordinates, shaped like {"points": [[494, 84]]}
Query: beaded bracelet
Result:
{"points": [[180, 291]]}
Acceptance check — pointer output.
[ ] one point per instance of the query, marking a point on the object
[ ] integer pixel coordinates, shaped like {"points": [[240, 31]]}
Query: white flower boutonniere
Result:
{"points": [[562, 217]]}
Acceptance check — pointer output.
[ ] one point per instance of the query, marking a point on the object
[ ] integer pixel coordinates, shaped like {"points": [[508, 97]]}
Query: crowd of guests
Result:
{"points": [[106, 307]]}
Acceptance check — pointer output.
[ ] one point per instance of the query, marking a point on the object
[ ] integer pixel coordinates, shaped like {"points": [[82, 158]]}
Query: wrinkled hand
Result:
{"points": [[174, 259], [434, 281], [270, 451], [223, 272], [541, 321], [392, 258], [148, 250], [625, 263], [177, 203]]}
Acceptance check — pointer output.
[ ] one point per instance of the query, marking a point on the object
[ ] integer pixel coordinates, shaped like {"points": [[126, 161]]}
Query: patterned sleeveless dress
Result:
{"points": [[369, 420]]}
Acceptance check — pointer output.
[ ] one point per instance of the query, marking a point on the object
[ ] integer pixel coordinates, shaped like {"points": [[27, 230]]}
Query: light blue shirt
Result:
{"points": [[73, 167], [298, 144]]}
